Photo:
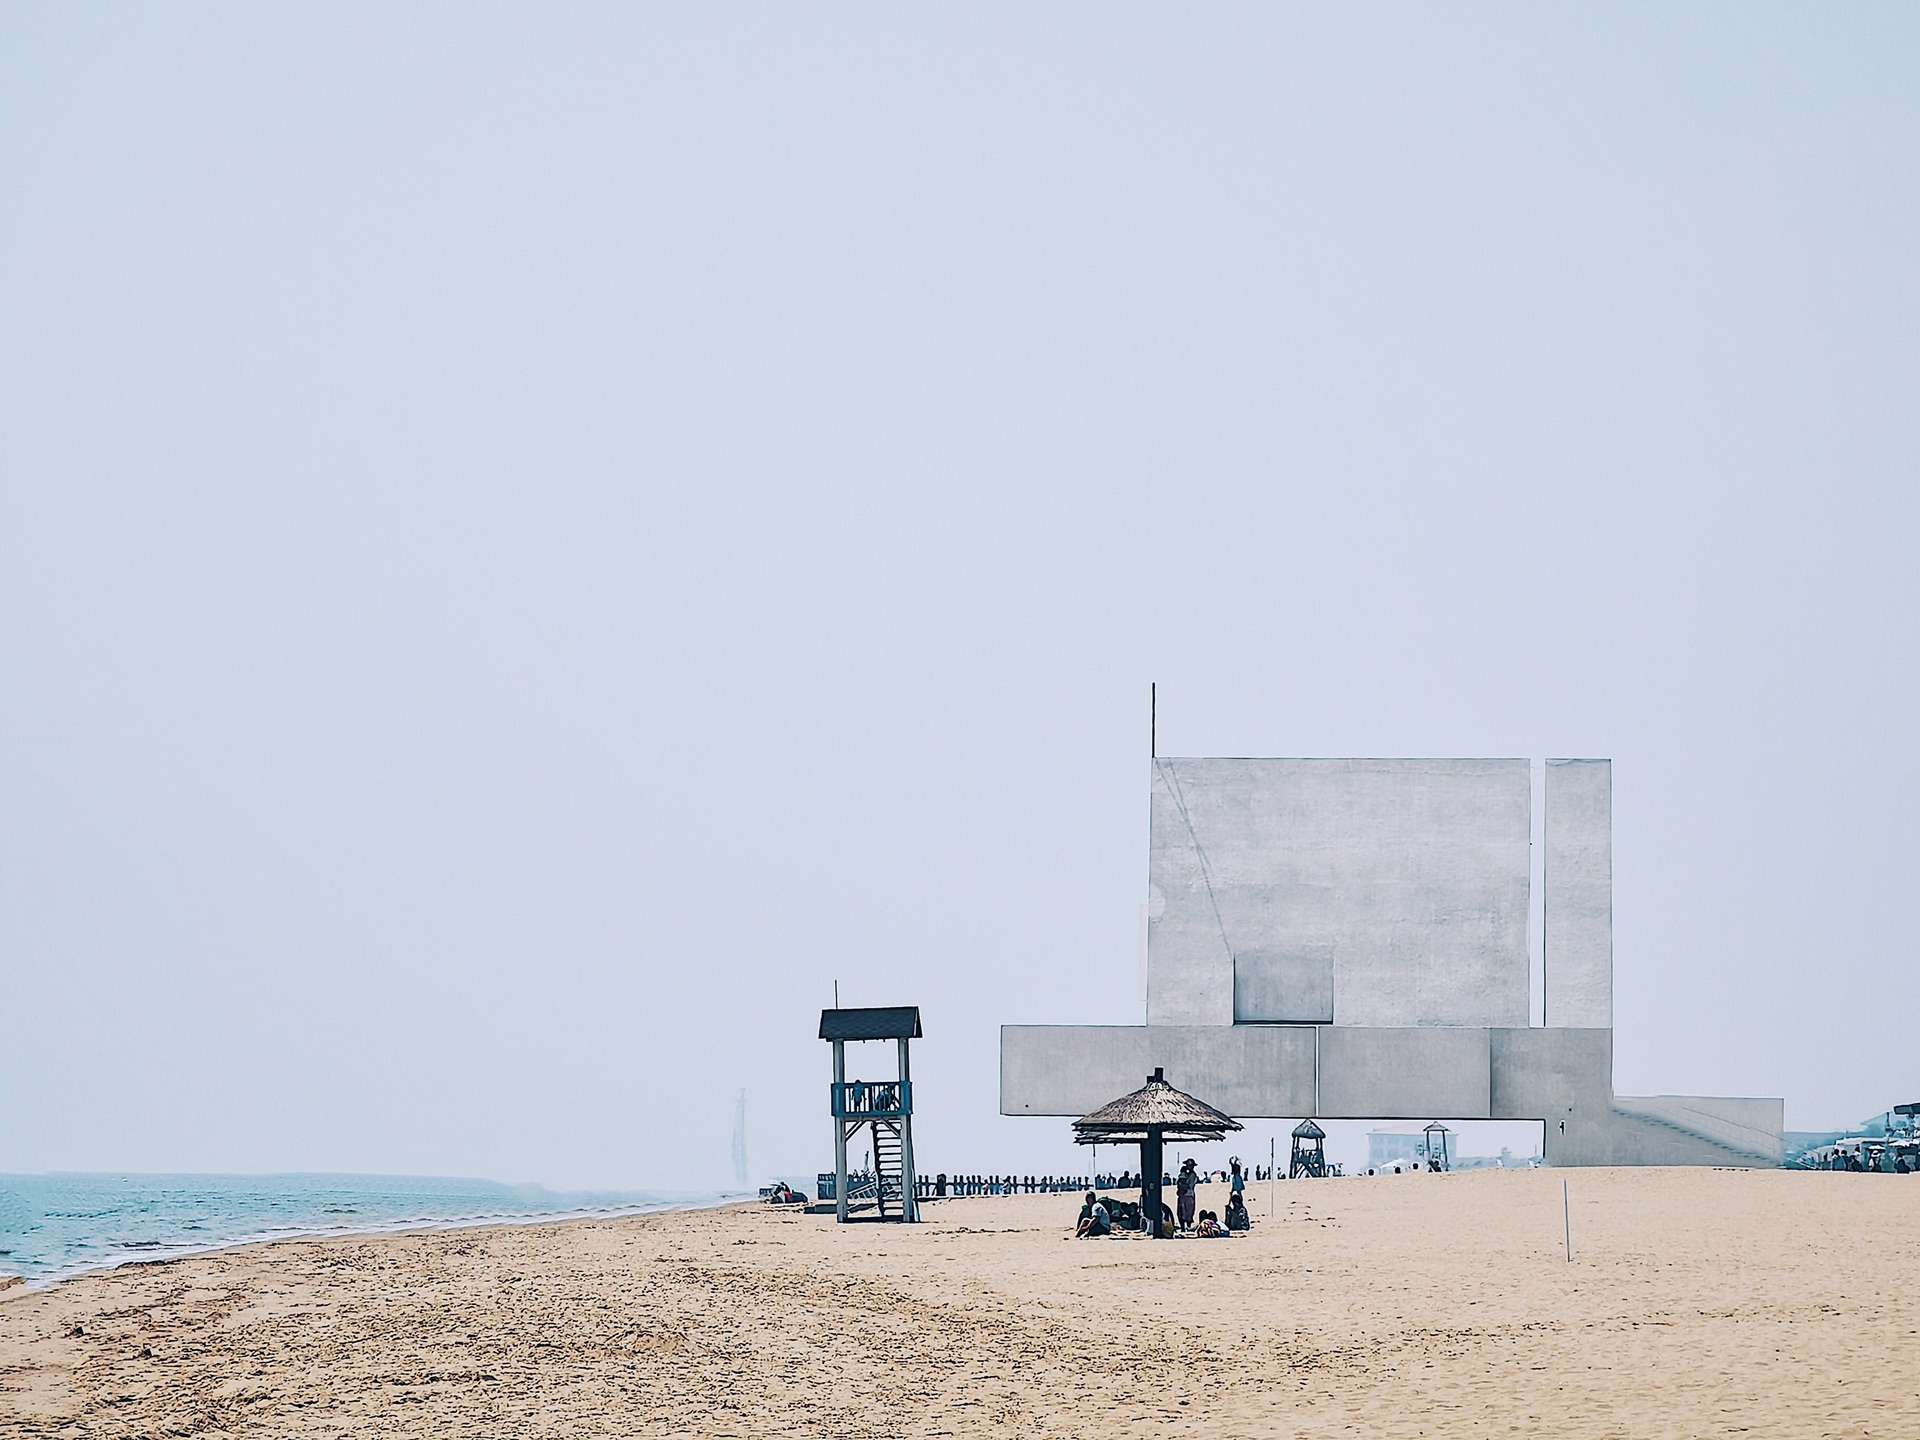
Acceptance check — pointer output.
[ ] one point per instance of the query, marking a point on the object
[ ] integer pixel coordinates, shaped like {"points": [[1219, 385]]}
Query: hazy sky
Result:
{"points": [[534, 539]]}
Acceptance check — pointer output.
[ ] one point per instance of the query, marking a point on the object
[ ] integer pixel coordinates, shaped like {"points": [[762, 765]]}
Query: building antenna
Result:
{"points": [[1153, 721], [836, 994]]}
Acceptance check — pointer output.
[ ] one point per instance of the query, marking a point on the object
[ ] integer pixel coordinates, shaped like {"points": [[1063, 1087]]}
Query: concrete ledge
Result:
{"points": [[1540, 1074], [1246, 1070], [1562, 1077], [1403, 1072]]}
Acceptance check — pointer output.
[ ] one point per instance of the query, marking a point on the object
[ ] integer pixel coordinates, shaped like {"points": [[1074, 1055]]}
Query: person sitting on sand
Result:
{"points": [[1094, 1221], [1186, 1192], [1209, 1228], [1124, 1213], [1237, 1217]]}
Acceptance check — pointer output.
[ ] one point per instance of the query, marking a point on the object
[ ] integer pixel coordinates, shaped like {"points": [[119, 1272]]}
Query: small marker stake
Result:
{"points": [[1566, 1216]]}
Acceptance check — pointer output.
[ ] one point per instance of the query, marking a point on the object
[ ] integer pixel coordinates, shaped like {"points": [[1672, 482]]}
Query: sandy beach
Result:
{"points": [[1698, 1302]]}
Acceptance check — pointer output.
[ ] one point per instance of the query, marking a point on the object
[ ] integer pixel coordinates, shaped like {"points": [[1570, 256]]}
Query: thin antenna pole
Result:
{"points": [[1273, 1163], [1153, 721], [836, 994], [1566, 1215]]}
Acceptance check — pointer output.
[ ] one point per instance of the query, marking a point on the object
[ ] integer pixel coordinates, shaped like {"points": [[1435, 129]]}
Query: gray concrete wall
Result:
{"points": [[1275, 988], [1535, 1074], [1400, 886], [1245, 1070], [1561, 1077], [1578, 886], [1425, 1073]]}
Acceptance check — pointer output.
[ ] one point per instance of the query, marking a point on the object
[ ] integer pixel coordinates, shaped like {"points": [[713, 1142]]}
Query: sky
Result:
{"points": [[536, 540]]}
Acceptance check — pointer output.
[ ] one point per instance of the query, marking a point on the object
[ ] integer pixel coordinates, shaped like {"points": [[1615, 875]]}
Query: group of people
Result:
{"points": [[1104, 1214], [1101, 1217], [1207, 1224]]}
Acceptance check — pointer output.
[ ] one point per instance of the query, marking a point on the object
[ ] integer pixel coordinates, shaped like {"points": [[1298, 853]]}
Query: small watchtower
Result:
{"points": [[1309, 1151], [885, 1105]]}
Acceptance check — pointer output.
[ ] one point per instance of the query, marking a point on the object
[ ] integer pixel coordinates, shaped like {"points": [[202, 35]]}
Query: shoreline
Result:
{"points": [[13, 1283], [1432, 1304]]}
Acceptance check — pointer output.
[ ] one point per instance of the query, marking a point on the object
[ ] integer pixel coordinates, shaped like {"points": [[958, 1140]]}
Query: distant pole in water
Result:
{"points": [[740, 1141], [1566, 1217]]}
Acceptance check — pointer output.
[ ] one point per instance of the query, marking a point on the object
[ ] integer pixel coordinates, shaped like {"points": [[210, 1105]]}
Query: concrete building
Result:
{"points": [[1347, 939]]}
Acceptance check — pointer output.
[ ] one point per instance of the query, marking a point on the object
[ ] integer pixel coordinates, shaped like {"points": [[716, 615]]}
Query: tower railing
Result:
{"points": [[872, 1099]]}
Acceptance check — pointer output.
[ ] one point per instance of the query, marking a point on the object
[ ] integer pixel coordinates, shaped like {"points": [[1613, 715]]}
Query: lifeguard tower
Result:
{"points": [[1309, 1151], [886, 1106]]}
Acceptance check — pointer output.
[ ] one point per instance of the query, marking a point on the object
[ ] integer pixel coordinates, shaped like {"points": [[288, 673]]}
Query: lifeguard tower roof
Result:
{"points": [[890, 1022]]}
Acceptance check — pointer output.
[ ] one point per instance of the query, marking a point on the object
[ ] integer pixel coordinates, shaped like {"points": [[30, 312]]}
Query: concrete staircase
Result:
{"points": [[1698, 1130]]}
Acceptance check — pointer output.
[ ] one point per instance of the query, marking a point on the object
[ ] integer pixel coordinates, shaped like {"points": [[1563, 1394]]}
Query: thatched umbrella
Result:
{"points": [[1152, 1115]]}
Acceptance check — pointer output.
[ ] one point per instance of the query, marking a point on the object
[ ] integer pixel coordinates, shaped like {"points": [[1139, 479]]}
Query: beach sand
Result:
{"points": [[1698, 1302]]}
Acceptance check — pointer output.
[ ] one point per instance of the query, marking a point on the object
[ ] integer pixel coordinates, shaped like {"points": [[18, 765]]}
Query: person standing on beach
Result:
{"points": [[1239, 1181], [1187, 1192]]}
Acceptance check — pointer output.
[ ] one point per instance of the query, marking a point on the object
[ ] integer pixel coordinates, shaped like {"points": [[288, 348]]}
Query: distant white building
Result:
{"points": [[1406, 1147], [1388, 1147]]}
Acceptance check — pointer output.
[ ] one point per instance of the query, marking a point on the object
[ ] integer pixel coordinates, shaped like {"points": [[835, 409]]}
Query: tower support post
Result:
{"points": [[1150, 1172], [839, 1132], [909, 1199]]}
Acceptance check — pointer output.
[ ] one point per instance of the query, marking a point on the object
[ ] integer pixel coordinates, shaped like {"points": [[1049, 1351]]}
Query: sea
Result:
{"points": [[55, 1226]]}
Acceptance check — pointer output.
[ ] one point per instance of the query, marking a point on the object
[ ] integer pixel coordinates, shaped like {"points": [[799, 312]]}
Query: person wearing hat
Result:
{"points": [[1187, 1191]]}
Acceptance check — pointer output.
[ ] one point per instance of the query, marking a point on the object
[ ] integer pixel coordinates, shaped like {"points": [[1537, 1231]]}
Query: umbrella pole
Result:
{"points": [[1150, 1171]]}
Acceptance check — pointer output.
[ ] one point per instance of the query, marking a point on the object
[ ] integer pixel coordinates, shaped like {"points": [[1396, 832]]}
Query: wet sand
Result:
{"points": [[1698, 1302]]}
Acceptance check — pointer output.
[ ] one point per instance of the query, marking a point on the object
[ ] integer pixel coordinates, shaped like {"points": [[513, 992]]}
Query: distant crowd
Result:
{"points": [[943, 1186]]}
